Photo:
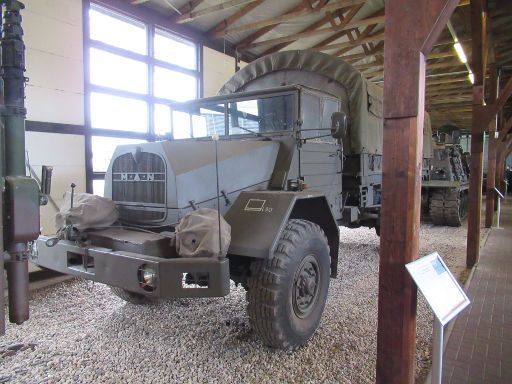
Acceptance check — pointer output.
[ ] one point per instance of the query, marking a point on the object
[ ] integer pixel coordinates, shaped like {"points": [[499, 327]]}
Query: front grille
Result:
{"points": [[134, 215], [139, 177]]}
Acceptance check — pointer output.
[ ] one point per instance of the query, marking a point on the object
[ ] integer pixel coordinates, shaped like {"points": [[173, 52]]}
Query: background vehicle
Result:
{"points": [[446, 180]]}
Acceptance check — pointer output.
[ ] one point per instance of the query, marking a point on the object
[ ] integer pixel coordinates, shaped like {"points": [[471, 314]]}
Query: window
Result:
{"points": [[268, 114], [135, 70], [231, 117]]}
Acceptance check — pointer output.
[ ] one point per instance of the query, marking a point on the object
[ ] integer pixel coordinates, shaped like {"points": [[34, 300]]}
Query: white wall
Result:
{"points": [[54, 60], [55, 93], [66, 153]]}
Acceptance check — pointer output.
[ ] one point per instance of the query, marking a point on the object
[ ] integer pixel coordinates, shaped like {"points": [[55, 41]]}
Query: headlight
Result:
{"points": [[147, 277]]}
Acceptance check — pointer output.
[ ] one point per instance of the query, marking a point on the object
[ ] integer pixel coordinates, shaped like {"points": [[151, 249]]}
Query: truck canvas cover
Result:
{"points": [[362, 100]]}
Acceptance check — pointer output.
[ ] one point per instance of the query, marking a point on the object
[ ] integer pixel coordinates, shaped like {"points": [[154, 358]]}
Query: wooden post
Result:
{"points": [[404, 96], [478, 32], [490, 196]]}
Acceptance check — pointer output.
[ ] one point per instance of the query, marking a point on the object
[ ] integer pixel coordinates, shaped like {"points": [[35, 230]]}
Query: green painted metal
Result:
{"points": [[12, 162]]}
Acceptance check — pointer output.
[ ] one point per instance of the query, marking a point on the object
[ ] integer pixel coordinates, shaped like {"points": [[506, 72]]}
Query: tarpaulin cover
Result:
{"points": [[319, 71], [328, 74], [197, 234], [89, 211]]}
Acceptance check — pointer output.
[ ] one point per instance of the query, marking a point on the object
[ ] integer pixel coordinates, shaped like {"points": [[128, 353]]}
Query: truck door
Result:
{"points": [[320, 155]]}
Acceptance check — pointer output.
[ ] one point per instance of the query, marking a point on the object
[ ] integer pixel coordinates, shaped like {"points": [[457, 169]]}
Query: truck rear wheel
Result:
{"points": [[287, 292], [131, 297]]}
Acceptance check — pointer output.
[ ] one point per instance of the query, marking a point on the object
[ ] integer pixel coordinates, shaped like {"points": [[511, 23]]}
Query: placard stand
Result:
{"points": [[437, 353], [444, 295]]}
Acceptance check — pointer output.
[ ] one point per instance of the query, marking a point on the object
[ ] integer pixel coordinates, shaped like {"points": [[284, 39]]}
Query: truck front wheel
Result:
{"points": [[287, 292]]}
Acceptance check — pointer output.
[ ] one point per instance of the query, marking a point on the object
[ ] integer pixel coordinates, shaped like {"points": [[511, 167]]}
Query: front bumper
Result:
{"points": [[122, 269]]}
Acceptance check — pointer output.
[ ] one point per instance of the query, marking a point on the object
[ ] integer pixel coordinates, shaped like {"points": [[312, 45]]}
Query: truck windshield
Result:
{"points": [[233, 117]]}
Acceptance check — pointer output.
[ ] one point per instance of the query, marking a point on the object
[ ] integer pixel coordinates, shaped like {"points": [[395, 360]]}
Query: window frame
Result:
{"points": [[225, 100], [148, 59]]}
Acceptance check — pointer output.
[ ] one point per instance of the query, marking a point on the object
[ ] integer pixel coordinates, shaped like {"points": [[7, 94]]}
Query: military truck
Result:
{"points": [[445, 183], [289, 149]]}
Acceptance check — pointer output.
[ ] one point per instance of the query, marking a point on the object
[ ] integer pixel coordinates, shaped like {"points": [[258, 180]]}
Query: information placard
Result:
{"points": [[442, 291]]}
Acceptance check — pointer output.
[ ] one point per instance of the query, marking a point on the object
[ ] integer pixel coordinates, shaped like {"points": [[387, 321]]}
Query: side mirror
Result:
{"points": [[339, 125]]}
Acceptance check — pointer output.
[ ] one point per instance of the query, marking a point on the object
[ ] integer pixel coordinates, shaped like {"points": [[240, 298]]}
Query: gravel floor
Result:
{"points": [[79, 333]]}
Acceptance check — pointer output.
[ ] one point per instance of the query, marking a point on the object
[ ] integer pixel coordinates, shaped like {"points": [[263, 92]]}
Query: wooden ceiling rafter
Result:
{"points": [[234, 17], [379, 36], [192, 15], [321, 6], [189, 6], [352, 13], [354, 57], [311, 27], [351, 25], [259, 33]]}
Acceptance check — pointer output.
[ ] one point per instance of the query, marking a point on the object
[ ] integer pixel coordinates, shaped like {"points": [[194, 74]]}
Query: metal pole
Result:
{"points": [[215, 139], [2, 278], [2, 187], [12, 71], [437, 356], [499, 212]]}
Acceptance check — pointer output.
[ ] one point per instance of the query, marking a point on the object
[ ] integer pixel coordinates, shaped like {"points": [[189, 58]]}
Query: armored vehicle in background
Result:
{"points": [[296, 151], [446, 180]]}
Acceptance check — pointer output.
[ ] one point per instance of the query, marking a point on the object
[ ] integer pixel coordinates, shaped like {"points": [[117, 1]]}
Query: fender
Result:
{"points": [[258, 218]]}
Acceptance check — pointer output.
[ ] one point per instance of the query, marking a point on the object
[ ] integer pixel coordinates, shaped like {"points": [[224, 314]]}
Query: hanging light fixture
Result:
{"points": [[460, 52], [471, 77]]}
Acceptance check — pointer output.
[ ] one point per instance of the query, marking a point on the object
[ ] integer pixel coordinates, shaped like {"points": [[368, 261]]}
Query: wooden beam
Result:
{"points": [[289, 16], [192, 15], [441, 55], [491, 110], [311, 27], [354, 57], [256, 35], [361, 67], [478, 28], [504, 131], [410, 31], [296, 36], [447, 64], [347, 19], [189, 6], [373, 52], [234, 17], [458, 79], [351, 44]]}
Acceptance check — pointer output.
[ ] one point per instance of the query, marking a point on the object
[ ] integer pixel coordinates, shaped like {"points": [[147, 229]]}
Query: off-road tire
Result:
{"points": [[131, 297], [275, 305]]}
